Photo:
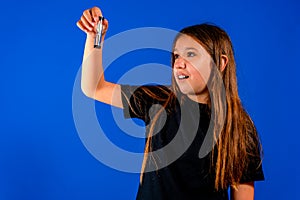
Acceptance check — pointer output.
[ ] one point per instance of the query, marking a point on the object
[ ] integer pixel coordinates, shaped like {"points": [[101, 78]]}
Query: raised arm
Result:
{"points": [[93, 83]]}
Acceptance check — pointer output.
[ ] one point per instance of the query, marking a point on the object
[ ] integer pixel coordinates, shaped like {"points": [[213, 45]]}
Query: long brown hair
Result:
{"points": [[236, 139]]}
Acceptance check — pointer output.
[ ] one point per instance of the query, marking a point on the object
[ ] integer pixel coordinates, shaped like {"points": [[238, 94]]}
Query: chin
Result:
{"points": [[186, 91], [189, 91]]}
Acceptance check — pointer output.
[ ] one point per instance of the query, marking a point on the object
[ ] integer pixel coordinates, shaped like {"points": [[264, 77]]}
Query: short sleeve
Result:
{"points": [[254, 170], [137, 100]]}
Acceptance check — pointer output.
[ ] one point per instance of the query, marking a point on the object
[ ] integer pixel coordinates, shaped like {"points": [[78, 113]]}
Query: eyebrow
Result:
{"points": [[188, 48]]}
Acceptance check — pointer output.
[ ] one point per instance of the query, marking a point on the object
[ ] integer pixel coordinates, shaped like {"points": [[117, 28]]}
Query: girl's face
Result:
{"points": [[191, 68]]}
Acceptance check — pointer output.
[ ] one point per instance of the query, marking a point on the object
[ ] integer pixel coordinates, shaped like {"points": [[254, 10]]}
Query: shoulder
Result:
{"points": [[146, 92], [137, 100], [254, 151]]}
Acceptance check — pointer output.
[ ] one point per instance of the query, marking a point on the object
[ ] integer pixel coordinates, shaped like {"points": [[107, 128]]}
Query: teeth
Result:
{"points": [[182, 77]]}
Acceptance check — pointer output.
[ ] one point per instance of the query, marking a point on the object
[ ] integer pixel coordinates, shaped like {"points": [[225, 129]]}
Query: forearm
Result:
{"points": [[93, 83], [92, 70]]}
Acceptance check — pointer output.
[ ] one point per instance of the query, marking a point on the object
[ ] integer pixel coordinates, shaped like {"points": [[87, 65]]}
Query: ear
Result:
{"points": [[224, 61]]}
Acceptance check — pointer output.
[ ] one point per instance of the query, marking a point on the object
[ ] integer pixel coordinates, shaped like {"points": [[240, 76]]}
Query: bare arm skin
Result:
{"points": [[93, 83], [244, 191]]}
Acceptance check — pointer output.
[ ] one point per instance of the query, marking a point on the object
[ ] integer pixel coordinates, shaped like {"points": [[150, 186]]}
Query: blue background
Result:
{"points": [[41, 155]]}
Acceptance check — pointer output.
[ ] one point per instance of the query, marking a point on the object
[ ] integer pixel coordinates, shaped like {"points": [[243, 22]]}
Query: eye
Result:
{"points": [[175, 56], [191, 54]]}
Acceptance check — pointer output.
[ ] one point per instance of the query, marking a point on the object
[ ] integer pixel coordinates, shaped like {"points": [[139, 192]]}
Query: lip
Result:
{"points": [[177, 74]]}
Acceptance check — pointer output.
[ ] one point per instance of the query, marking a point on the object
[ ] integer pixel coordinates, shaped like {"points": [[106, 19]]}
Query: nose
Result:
{"points": [[179, 63]]}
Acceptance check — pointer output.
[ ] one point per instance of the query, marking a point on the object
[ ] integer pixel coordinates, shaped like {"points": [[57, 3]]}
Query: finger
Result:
{"points": [[105, 25], [83, 28], [86, 23], [95, 13], [88, 17]]}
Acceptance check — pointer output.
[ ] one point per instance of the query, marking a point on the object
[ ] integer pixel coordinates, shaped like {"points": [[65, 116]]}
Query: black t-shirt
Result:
{"points": [[176, 171]]}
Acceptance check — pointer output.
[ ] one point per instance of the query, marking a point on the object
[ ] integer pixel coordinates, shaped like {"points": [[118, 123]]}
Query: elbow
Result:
{"points": [[91, 90], [87, 91]]}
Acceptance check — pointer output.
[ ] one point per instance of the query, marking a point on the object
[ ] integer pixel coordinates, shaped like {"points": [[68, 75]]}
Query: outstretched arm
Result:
{"points": [[93, 83]]}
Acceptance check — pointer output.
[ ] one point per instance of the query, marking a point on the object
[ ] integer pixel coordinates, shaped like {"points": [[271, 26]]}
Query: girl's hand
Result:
{"points": [[89, 20]]}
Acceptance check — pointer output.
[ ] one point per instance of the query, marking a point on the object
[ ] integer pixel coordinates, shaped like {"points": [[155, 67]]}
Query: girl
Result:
{"points": [[203, 93]]}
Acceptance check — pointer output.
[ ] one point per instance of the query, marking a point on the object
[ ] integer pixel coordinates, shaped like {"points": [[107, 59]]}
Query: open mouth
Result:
{"points": [[182, 77]]}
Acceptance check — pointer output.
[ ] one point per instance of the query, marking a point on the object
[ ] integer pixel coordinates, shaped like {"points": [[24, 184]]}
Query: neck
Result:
{"points": [[200, 98]]}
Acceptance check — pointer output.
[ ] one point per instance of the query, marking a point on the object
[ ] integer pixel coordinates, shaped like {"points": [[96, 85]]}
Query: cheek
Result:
{"points": [[201, 72]]}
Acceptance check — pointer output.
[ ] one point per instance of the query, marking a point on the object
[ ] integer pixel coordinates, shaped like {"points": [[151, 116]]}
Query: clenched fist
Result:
{"points": [[89, 20]]}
